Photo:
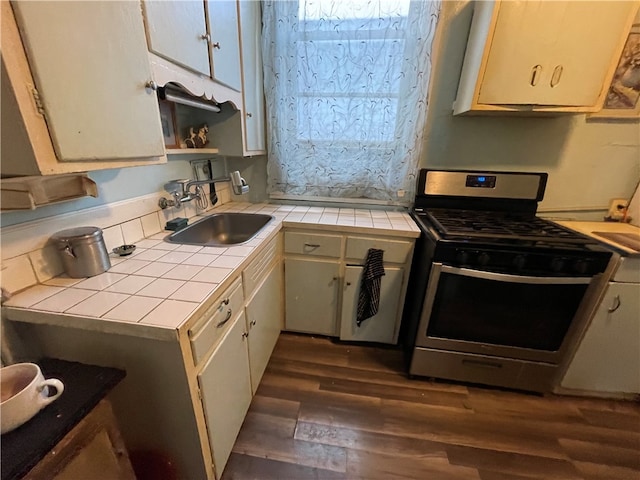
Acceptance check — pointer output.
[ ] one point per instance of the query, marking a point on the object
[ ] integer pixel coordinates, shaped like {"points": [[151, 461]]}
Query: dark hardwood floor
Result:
{"points": [[326, 410]]}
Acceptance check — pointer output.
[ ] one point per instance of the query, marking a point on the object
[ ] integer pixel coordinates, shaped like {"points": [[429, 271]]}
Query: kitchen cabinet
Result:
{"points": [[233, 79], [225, 386], [311, 295], [264, 313], [538, 56], [382, 326], [608, 357], [187, 389], [76, 109], [322, 284], [251, 120], [189, 33]]}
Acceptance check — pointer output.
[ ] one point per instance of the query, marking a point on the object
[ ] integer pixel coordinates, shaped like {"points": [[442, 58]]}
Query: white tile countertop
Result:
{"points": [[155, 290]]}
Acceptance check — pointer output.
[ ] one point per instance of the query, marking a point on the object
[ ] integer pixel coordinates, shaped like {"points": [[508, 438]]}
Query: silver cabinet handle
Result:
{"points": [[616, 304], [252, 323], [312, 245], [216, 45], [206, 36], [224, 302], [249, 114], [226, 319]]}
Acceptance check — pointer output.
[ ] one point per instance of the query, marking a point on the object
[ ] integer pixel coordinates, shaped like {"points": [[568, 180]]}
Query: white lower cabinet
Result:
{"points": [[608, 357], [380, 327], [322, 283], [311, 295], [225, 387], [264, 323]]}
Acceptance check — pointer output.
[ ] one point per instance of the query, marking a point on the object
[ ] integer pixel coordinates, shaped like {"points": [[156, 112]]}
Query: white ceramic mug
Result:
{"points": [[24, 393]]}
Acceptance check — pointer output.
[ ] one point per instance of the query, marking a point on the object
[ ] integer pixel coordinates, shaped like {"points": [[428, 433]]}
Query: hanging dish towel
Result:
{"points": [[369, 297]]}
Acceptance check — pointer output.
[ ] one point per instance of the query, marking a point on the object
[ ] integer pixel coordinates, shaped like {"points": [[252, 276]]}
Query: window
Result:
{"points": [[346, 88]]}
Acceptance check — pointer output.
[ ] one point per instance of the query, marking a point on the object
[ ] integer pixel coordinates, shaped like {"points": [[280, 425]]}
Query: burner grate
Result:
{"points": [[482, 224]]}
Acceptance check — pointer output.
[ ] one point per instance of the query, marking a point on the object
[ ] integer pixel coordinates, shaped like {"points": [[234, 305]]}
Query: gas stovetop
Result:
{"points": [[472, 224]]}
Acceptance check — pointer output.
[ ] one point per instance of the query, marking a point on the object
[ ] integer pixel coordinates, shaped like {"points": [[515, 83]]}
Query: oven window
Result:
{"points": [[533, 316]]}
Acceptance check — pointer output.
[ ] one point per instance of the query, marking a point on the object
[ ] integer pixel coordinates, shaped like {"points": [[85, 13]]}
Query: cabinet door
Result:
{"points": [[608, 358], [570, 44], [311, 295], [177, 31], [253, 89], [382, 326], [225, 42], [90, 65], [226, 392], [264, 317]]}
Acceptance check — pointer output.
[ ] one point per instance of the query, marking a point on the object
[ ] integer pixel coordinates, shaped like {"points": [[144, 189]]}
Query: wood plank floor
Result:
{"points": [[327, 410]]}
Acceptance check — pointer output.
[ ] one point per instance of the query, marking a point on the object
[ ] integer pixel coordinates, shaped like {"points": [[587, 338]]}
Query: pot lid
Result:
{"points": [[78, 233]]}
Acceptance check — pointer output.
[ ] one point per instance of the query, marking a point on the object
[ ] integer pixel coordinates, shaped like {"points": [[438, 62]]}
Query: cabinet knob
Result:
{"points": [[151, 85], [252, 323], [206, 37], [216, 45], [249, 114], [348, 284]]}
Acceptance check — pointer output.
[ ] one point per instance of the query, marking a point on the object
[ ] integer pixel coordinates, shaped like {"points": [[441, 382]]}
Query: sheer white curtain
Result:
{"points": [[346, 86]]}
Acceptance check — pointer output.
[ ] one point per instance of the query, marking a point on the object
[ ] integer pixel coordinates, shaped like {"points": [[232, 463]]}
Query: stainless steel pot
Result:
{"points": [[82, 251]]}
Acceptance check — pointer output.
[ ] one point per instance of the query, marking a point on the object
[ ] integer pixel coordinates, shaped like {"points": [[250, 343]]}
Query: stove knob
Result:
{"points": [[580, 266], [483, 258], [519, 261], [462, 257], [557, 264]]}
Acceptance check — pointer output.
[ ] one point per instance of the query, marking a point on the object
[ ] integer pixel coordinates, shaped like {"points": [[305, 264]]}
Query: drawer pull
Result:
{"points": [[252, 323], [616, 304], [226, 319], [224, 302], [312, 245], [479, 363], [535, 75]]}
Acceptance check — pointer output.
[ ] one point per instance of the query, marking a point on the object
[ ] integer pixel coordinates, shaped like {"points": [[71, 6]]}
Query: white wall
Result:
{"points": [[589, 161]]}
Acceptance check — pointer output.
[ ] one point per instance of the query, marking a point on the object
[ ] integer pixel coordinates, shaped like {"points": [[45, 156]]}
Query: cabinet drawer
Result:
{"points": [[312, 244], [395, 251], [257, 268], [215, 321]]}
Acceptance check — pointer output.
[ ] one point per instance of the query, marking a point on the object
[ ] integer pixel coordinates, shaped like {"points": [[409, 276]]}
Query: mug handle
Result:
{"points": [[51, 382]]}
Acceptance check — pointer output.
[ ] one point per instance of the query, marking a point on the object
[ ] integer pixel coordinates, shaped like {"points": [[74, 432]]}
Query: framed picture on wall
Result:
{"points": [[168, 121], [623, 97]]}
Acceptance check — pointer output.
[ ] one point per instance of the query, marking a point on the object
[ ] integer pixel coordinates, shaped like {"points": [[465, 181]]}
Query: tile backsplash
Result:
{"points": [[28, 258]]}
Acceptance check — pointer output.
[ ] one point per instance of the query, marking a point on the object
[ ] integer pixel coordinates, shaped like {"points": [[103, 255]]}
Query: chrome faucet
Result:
{"points": [[181, 192]]}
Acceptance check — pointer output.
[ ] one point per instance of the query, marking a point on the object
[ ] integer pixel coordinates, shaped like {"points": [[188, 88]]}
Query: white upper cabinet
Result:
{"points": [[538, 55], [200, 36], [253, 86], [177, 31], [225, 43], [77, 73]]}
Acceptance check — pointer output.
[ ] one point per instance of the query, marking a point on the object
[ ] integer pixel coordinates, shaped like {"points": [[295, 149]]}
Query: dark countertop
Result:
{"points": [[84, 387]]}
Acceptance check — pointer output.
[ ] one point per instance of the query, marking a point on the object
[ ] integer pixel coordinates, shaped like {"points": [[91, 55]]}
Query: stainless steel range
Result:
{"points": [[497, 295]]}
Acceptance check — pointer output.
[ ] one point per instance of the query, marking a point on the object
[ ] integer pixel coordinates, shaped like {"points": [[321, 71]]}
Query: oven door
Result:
{"points": [[505, 315]]}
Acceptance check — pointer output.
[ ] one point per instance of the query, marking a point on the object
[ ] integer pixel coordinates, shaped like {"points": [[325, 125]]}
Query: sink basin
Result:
{"points": [[221, 229]]}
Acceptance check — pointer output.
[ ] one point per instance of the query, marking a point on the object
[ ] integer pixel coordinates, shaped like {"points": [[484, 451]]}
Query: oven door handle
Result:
{"points": [[503, 277]]}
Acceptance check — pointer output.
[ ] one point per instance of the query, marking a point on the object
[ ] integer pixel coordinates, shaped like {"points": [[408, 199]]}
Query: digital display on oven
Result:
{"points": [[482, 181]]}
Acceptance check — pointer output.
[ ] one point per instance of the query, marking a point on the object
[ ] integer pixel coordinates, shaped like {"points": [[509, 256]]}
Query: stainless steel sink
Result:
{"points": [[221, 229]]}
